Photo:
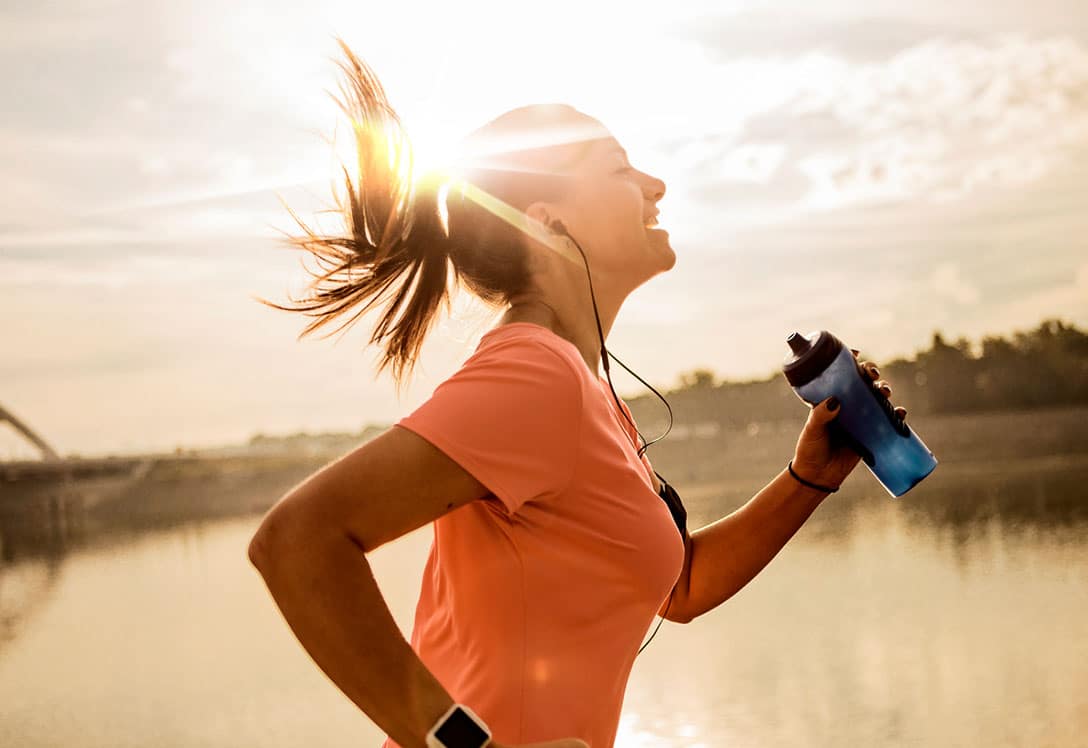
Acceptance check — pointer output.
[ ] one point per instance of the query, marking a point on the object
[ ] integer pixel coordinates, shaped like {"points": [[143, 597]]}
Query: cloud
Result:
{"points": [[945, 118], [947, 281], [936, 122], [109, 274], [764, 34], [1066, 299], [869, 31]]}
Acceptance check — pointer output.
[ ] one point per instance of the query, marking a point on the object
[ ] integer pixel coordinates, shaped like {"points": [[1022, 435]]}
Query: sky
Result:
{"points": [[881, 170]]}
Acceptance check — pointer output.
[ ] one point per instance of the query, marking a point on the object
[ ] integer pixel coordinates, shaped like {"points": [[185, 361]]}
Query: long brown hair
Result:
{"points": [[395, 227]]}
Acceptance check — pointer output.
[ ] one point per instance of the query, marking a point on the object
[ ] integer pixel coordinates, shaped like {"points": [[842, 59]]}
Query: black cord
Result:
{"points": [[605, 353], [659, 622], [558, 225]]}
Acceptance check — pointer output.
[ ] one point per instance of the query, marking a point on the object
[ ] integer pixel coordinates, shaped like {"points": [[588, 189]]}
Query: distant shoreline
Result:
{"points": [[1071, 423], [1017, 464]]}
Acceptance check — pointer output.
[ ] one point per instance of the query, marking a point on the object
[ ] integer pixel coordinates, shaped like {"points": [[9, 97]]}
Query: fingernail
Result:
{"points": [[833, 403]]}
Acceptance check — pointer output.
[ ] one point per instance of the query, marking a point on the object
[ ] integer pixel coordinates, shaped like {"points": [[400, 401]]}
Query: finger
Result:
{"points": [[870, 369], [854, 351], [827, 409], [901, 411], [884, 387]]}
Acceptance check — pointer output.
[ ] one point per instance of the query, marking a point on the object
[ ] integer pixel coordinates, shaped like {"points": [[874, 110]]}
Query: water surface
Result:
{"points": [[882, 623]]}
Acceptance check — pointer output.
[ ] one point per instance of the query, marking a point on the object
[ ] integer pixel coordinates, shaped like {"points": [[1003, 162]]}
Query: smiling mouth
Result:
{"points": [[651, 223]]}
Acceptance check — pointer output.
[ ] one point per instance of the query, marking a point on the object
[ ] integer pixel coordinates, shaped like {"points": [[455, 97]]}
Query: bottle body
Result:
{"points": [[821, 367]]}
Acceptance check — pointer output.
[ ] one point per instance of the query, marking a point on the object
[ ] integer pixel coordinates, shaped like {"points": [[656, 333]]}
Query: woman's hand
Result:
{"points": [[819, 459]]}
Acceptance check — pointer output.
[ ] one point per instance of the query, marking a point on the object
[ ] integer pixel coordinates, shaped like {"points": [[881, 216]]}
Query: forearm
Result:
{"points": [[728, 553], [325, 588]]}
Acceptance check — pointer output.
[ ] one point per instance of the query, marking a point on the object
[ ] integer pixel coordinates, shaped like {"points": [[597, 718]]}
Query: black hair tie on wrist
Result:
{"points": [[807, 483]]}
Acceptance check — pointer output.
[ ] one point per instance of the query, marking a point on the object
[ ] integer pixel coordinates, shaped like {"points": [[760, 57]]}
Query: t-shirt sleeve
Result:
{"points": [[511, 416]]}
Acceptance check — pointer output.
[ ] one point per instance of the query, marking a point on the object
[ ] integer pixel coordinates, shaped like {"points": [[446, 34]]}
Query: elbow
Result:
{"points": [[265, 541], [680, 613], [258, 551], [682, 616], [689, 612], [287, 535]]}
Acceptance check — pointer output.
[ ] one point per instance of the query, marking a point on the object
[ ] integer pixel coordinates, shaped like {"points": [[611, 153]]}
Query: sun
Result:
{"points": [[433, 149], [438, 159]]}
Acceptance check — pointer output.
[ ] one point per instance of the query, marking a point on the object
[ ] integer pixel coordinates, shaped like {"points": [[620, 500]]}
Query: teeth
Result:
{"points": [[651, 223]]}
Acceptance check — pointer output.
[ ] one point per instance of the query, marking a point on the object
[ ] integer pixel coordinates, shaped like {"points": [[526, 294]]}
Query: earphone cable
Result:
{"points": [[645, 445], [605, 353]]}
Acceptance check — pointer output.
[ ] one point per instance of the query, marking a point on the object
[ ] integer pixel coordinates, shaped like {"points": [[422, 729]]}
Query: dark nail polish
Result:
{"points": [[833, 403]]}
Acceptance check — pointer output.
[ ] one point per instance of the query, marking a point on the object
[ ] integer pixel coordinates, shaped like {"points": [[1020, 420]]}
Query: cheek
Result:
{"points": [[622, 204], [610, 214]]}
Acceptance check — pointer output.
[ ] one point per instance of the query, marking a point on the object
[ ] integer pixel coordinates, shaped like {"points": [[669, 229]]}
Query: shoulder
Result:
{"points": [[522, 348], [511, 415], [515, 371]]}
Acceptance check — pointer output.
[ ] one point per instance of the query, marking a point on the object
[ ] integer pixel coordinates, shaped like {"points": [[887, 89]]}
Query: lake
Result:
{"points": [[948, 617]]}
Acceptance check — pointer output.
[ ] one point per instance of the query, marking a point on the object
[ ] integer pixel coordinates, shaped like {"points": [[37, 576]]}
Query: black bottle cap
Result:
{"points": [[810, 356], [798, 343]]}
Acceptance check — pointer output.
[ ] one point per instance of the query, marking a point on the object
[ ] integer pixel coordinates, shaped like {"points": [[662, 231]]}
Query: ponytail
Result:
{"points": [[393, 230], [396, 231]]}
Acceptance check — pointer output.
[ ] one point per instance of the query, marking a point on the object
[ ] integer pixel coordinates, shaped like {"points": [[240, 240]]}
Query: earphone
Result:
{"points": [[558, 228]]}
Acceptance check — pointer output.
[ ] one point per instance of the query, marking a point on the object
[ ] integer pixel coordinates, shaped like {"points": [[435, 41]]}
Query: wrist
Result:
{"points": [[818, 483], [459, 727]]}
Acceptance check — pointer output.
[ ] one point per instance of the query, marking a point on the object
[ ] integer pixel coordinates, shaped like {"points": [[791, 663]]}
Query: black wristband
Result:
{"points": [[810, 485]]}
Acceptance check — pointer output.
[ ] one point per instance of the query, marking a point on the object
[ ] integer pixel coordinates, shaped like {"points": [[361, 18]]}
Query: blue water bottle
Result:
{"points": [[820, 366]]}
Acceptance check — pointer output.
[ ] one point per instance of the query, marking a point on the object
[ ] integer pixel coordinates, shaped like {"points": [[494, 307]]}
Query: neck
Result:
{"points": [[579, 326]]}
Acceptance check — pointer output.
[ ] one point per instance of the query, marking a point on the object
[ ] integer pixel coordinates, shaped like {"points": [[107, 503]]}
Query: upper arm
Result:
{"points": [[677, 607], [675, 604], [381, 490], [506, 424], [653, 478]]}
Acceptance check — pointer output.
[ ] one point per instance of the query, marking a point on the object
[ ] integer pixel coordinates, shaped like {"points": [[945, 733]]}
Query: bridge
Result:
{"points": [[52, 466], [43, 501], [48, 453]]}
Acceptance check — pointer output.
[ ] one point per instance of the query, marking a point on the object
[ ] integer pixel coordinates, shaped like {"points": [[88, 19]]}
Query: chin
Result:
{"points": [[672, 258], [668, 259], [659, 246]]}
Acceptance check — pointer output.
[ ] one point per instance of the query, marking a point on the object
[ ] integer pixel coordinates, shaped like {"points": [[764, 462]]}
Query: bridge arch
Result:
{"points": [[48, 453]]}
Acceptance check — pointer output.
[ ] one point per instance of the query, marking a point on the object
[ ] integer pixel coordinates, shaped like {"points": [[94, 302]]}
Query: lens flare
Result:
{"points": [[516, 218]]}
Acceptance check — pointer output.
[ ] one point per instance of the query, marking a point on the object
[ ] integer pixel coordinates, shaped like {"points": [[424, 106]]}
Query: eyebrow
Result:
{"points": [[617, 148]]}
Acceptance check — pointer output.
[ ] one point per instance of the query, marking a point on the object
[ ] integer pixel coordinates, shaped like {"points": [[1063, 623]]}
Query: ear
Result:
{"points": [[540, 217], [536, 226], [542, 213]]}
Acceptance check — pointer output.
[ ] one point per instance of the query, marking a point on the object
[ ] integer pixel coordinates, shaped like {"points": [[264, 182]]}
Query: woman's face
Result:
{"points": [[610, 210]]}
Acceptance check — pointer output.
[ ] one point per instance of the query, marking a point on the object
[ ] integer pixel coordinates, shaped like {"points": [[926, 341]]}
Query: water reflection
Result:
{"points": [[970, 634], [25, 586], [953, 616]]}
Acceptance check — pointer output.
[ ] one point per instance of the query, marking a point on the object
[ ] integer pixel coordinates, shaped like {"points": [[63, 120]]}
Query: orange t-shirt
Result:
{"points": [[536, 598]]}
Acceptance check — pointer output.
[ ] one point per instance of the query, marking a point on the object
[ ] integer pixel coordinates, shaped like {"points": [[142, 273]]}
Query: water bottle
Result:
{"points": [[820, 366]]}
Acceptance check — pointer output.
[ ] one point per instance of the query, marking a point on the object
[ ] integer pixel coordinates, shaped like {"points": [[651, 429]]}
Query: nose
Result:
{"points": [[655, 188]]}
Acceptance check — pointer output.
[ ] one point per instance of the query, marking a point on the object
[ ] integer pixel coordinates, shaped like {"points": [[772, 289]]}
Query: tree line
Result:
{"points": [[1039, 368]]}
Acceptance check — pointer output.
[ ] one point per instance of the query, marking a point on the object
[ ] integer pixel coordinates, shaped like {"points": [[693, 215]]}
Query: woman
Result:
{"points": [[553, 549]]}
